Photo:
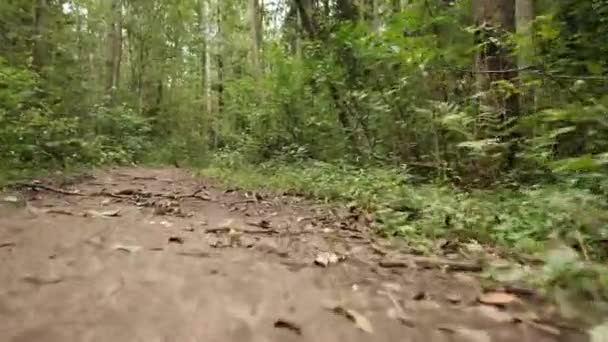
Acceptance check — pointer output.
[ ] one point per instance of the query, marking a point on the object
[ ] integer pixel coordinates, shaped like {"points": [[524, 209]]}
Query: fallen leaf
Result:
{"points": [[454, 298], [59, 212], [326, 258], [420, 295], [400, 316], [7, 244], [494, 314], [544, 328], [395, 264], [264, 224], [392, 287], [107, 213], [361, 321], [285, 324], [473, 335], [176, 239], [300, 219], [127, 248], [195, 254], [96, 241], [127, 192], [497, 298], [37, 280], [10, 199], [397, 312], [378, 250]]}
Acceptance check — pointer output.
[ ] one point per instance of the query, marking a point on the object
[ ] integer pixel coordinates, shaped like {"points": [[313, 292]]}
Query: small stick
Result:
{"points": [[49, 188]]}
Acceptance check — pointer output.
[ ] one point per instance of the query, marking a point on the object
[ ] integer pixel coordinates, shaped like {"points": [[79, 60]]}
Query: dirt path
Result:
{"points": [[157, 255]]}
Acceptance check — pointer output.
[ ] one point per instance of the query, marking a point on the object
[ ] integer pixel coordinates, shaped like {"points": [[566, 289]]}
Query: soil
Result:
{"points": [[140, 254]]}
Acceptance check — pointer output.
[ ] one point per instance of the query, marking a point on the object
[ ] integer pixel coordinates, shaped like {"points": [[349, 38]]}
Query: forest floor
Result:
{"points": [[140, 254]]}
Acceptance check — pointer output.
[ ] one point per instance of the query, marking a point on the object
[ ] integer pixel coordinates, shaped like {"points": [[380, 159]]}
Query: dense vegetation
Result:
{"points": [[470, 120]]}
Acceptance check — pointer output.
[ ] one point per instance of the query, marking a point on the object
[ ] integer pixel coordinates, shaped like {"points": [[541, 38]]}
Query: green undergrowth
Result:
{"points": [[563, 225], [522, 220]]}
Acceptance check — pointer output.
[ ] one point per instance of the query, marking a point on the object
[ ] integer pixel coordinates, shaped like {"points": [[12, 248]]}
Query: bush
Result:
{"points": [[33, 136]]}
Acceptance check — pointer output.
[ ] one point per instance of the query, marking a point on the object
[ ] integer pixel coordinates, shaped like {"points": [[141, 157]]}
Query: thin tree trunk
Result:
{"points": [[524, 18], [255, 19], [220, 57], [202, 23], [495, 18], [41, 47], [114, 57]]}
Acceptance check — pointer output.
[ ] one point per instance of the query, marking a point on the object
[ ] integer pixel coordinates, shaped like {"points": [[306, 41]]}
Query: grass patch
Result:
{"points": [[521, 220]]}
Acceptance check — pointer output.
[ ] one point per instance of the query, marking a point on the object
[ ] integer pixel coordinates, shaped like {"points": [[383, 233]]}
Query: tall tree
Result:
{"points": [[256, 25], [494, 63], [524, 18], [114, 44], [41, 23]]}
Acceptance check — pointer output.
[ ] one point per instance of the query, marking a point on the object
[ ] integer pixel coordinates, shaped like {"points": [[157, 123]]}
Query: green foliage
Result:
{"points": [[522, 221], [33, 136]]}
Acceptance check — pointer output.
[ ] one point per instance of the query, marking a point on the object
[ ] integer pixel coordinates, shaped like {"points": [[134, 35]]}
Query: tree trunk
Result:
{"points": [[41, 46], [114, 42], [495, 65], [202, 26], [255, 18], [524, 18], [494, 19], [220, 56]]}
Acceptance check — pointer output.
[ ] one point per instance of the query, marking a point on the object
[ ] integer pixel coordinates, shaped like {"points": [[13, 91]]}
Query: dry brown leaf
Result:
{"points": [[361, 321], [59, 212], [195, 254], [497, 298], [7, 244], [285, 324], [544, 328], [176, 239], [454, 298], [420, 295], [42, 280], [473, 335], [325, 259], [466, 334], [107, 213], [397, 312], [127, 248], [494, 314], [264, 224]]}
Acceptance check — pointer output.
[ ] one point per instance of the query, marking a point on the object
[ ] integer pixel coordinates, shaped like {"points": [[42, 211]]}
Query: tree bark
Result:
{"points": [[255, 18], [524, 18], [114, 57], [494, 65], [494, 19], [41, 46], [220, 56]]}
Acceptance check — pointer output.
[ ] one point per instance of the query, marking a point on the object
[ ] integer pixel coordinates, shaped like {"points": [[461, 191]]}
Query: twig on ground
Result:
{"points": [[38, 187], [424, 262]]}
